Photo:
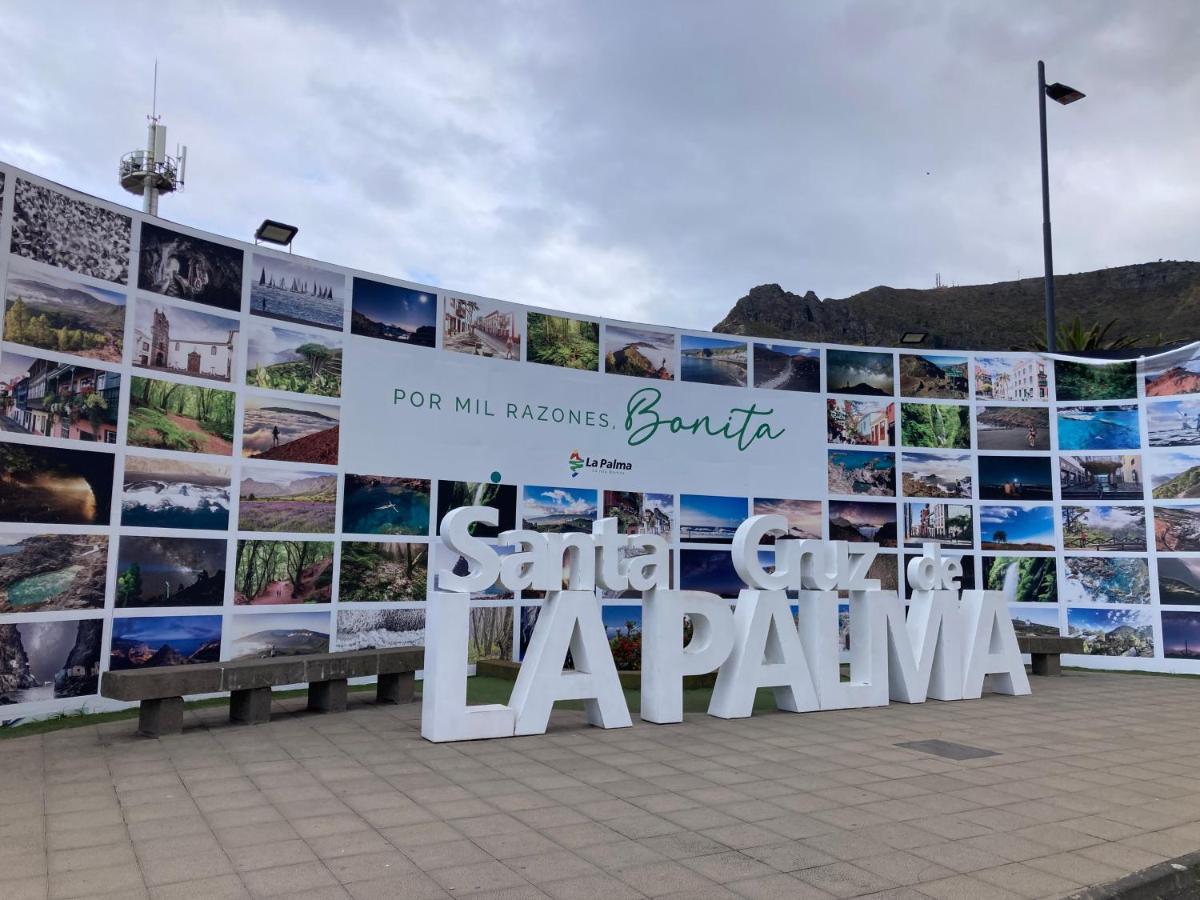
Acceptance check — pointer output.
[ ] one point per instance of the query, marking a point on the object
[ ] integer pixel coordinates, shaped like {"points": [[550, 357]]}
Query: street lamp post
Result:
{"points": [[1064, 95]]}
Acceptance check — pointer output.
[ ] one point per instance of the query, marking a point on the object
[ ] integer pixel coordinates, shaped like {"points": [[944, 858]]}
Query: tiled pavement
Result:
{"points": [[1097, 775]]}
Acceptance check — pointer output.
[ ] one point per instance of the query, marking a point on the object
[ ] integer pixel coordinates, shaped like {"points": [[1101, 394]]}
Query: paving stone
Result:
{"points": [[488, 875], [220, 887], [843, 879], [288, 881], [661, 878]]}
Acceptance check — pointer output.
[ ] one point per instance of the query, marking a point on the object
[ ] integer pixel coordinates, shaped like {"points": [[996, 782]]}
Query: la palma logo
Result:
{"points": [[575, 461]]}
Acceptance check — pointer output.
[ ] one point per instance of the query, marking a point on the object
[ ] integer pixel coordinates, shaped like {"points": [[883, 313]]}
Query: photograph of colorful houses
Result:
{"points": [[870, 423], [60, 400], [482, 328]]}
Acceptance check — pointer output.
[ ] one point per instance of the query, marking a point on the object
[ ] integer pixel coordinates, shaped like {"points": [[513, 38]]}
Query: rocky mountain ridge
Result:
{"points": [[1154, 302]]}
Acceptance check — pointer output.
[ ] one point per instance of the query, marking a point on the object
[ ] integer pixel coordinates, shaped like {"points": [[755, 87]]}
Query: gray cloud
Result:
{"points": [[646, 161]]}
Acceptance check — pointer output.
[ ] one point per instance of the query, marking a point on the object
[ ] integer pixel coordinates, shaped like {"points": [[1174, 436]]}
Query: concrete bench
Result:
{"points": [[1045, 651], [249, 681]]}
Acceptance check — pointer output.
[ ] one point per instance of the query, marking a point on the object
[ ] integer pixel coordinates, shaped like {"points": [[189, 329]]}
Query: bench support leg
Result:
{"points": [[159, 717], [251, 706], [1046, 663], [327, 696], [395, 687]]}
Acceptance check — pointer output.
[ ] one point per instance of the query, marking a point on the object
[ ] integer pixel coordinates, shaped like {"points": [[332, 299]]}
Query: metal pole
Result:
{"points": [[1047, 252], [149, 185]]}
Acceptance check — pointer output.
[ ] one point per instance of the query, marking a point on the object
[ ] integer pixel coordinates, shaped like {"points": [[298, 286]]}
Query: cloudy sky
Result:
{"points": [[644, 161]]}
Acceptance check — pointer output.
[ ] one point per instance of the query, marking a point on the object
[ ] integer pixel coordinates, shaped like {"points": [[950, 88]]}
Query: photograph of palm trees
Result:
{"points": [[64, 315], [168, 415], [280, 572], [55, 486], [560, 341], [393, 313]]}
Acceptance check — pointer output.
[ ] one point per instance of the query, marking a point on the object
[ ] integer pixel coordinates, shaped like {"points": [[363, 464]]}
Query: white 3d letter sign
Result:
{"points": [[944, 647]]}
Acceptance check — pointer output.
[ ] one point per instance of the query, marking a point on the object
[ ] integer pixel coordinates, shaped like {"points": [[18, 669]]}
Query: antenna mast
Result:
{"points": [[151, 172]]}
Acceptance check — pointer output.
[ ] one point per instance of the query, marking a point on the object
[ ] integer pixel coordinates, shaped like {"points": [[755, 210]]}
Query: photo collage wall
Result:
{"points": [[171, 490]]}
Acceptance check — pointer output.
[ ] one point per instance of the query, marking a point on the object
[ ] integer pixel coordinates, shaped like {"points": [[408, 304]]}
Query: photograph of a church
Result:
{"points": [[172, 339]]}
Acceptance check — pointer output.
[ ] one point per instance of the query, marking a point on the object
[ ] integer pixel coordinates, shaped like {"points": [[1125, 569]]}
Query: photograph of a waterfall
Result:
{"points": [[300, 500], [639, 352], [935, 425], [52, 572], [281, 572], [54, 486], [283, 359], [859, 372], [1104, 528], [1177, 528], [50, 227], [709, 519], [556, 509], [294, 291], [1181, 634], [781, 367], [934, 376], [708, 360], [1094, 380], [270, 635], [947, 475], [1107, 631], [804, 517], [1023, 579], [380, 629], [1015, 478], [169, 338], [63, 315], [377, 571], [50, 660], [382, 504], [391, 312], [1097, 579], [1012, 428], [1098, 428], [175, 493], [1175, 374], [1179, 581], [151, 641], [502, 497], [178, 265], [863, 521], [561, 341], [1016, 527], [171, 572]]}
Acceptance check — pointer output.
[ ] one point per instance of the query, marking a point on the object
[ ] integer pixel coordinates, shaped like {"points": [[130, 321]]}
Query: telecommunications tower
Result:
{"points": [[151, 172]]}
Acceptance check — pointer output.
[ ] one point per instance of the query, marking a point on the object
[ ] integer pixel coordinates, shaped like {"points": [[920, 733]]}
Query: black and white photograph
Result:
{"points": [[178, 265], [50, 227]]}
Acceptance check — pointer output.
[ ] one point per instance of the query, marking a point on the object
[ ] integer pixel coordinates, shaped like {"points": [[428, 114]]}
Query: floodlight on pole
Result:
{"points": [[276, 233], [1064, 94]]}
